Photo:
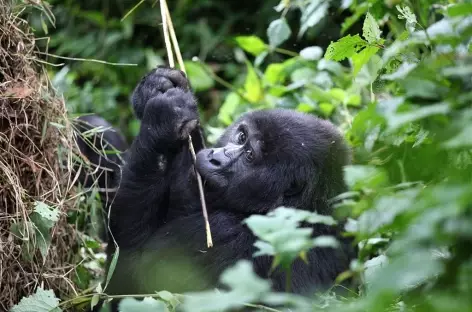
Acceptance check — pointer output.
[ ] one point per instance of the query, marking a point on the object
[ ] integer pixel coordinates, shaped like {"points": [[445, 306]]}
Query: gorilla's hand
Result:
{"points": [[157, 82], [170, 116]]}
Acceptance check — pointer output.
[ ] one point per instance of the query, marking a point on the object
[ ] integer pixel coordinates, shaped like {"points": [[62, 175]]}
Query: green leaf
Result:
{"points": [[281, 236], [251, 44], [278, 32], [312, 15], [252, 85], [41, 301], [402, 71], [344, 47], [462, 140], [409, 16], [386, 209], [94, 301], [199, 78], [312, 53], [112, 266], [358, 177], [371, 30], [459, 9], [397, 120], [46, 211], [244, 287], [274, 73], [148, 304], [361, 58], [227, 110]]}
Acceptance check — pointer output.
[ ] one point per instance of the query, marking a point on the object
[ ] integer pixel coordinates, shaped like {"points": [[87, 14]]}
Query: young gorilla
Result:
{"points": [[264, 160]]}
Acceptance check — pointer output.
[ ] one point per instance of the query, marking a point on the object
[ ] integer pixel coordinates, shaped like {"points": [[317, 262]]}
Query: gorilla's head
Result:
{"points": [[271, 158]]}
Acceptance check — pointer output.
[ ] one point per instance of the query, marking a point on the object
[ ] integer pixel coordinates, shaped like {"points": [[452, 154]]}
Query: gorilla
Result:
{"points": [[266, 159]]}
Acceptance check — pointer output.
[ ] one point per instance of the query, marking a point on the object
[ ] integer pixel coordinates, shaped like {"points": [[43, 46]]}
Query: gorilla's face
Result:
{"points": [[267, 159]]}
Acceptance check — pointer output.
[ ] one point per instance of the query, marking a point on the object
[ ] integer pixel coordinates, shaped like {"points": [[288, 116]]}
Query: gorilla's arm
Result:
{"points": [[169, 115]]}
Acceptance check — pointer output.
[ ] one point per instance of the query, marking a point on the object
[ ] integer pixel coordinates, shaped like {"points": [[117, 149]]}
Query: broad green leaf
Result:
{"points": [[397, 120], [274, 73], [371, 30], [252, 85], [228, 108], [251, 44], [462, 139], [325, 242], [244, 287], [303, 74], [459, 9], [405, 272], [41, 301], [358, 177], [386, 209], [147, 304], [326, 108], [278, 32], [312, 14], [46, 211], [312, 53], [280, 234], [344, 47], [199, 78], [362, 58]]}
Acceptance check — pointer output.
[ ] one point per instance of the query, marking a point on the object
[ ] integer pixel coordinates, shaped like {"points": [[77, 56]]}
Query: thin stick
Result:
{"points": [[168, 27], [175, 43], [165, 30]]}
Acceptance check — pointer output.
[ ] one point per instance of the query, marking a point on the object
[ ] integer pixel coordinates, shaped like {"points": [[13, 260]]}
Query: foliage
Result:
{"points": [[400, 89]]}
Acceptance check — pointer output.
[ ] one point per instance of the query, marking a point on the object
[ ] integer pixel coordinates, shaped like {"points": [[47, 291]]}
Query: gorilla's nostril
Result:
{"points": [[215, 162]]}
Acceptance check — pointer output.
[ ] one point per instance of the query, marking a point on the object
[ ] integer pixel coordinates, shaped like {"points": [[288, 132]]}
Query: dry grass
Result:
{"points": [[30, 169]]}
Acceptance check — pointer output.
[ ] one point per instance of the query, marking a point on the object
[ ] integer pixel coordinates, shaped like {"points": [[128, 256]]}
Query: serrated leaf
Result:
{"points": [[370, 29], [251, 44], [362, 58], [278, 32], [345, 47], [41, 301]]}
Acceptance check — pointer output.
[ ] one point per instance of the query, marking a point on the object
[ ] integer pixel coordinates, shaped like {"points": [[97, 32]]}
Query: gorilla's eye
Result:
{"points": [[249, 155], [242, 137]]}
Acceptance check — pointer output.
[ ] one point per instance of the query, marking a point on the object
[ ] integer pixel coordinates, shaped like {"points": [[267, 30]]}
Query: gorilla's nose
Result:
{"points": [[217, 157]]}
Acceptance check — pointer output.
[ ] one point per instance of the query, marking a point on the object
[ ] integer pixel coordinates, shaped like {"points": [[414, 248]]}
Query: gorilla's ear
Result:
{"points": [[294, 189]]}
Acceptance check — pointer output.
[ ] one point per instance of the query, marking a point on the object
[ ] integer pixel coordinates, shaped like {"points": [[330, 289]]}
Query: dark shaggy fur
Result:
{"points": [[264, 160]]}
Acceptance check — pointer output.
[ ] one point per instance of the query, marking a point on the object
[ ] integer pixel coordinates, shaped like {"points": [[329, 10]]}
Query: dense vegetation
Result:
{"points": [[394, 75]]}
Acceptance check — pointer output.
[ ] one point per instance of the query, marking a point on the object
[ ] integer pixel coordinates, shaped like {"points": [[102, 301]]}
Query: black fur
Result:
{"points": [[284, 158], [105, 150]]}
